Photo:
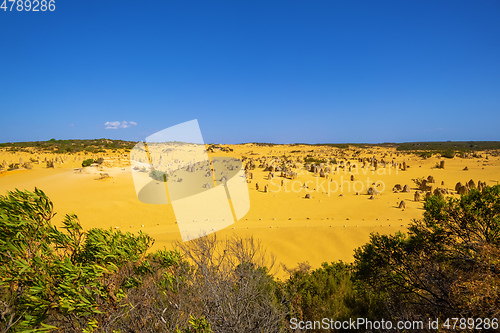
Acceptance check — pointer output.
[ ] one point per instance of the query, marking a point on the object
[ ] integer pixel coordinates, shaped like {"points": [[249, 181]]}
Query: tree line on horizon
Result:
{"points": [[69, 146], [100, 145]]}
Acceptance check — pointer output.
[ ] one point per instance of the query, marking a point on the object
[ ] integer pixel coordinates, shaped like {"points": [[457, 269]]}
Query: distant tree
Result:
{"points": [[449, 153], [87, 162], [158, 175], [13, 166]]}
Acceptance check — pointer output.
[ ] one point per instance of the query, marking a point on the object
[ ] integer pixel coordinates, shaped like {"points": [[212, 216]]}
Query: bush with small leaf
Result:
{"points": [[87, 162]]}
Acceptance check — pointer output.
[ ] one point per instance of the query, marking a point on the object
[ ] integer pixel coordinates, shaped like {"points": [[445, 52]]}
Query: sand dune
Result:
{"points": [[326, 227]]}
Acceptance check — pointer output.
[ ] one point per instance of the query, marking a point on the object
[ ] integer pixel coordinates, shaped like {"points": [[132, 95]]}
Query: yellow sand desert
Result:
{"points": [[337, 217]]}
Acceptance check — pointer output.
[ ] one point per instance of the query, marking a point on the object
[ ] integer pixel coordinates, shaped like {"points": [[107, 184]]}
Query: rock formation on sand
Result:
{"points": [[266, 188], [472, 184], [441, 164], [416, 196], [441, 192], [373, 191], [406, 189], [257, 186], [424, 187], [402, 204], [431, 180], [397, 188], [308, 196], [463, 189]]}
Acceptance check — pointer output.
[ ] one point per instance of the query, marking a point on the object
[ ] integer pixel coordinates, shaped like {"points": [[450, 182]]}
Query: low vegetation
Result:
{"points": [[443, 146], [72, 280], [87, 162], [158, 175], [69, 146], [311, 159], [423, 149]]}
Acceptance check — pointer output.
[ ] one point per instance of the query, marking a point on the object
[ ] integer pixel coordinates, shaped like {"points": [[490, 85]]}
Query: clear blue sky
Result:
{"points": [[268, 71]]}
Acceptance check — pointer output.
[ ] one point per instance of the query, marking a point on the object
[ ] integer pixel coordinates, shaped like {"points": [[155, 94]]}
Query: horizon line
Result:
{"points": [[271, 143]]}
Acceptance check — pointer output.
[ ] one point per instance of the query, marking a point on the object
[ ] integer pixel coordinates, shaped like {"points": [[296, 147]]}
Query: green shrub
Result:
{"points": [[449, 153], [48, 276], [448, 263], [311, 159], [330, 292], [196, 325], [87, 162], [158, 175], [71, 280], [425, 154]]}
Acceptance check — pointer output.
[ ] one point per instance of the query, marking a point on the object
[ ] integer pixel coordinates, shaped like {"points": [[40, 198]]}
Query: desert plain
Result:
{"points": [[320, 202]]}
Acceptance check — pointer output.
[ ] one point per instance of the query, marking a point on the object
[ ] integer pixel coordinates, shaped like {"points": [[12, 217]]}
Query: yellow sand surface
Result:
{"points": [[326, 227]]}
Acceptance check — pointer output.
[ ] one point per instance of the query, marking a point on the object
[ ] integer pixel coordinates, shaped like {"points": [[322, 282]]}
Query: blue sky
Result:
{"points": [[267, 71]]}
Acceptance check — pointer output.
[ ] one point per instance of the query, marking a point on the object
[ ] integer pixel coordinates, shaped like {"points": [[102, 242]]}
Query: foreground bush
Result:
{"points": [[231, 286], [70, 280], [448, 265], [103, 281], [330, 292], [49, 275]]}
